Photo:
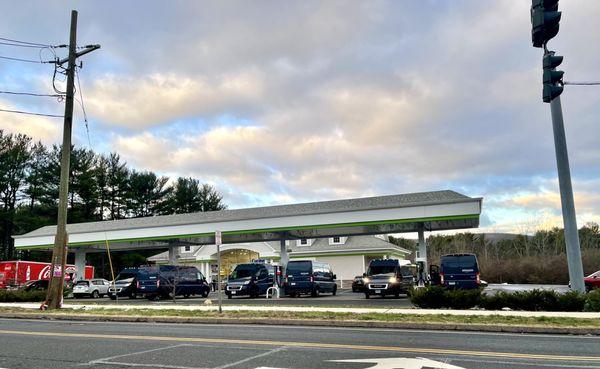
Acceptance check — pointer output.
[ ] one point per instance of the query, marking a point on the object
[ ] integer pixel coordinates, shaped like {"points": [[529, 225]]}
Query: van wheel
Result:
{"points": [[205, 293], [186, 296], [334, 290], [367, 296], [229, 297], [315, 292], [95, 294], [112, 297], [132, 296]]}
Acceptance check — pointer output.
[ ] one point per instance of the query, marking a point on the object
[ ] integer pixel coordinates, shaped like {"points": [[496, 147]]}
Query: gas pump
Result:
{"points": [[422, 277]]}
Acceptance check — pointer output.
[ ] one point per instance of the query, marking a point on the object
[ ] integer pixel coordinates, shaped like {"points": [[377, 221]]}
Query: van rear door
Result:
{"points": [[460, 271]]}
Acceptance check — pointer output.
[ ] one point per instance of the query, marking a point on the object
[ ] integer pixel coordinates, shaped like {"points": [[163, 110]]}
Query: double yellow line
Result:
{"points": [[414, 350]]}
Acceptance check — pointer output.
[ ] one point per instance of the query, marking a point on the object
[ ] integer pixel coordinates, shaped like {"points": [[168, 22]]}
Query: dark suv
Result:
{"points": [[126, 284], [309, 277], [459, 271], [164, 281], [388, 277], [252, 279]]}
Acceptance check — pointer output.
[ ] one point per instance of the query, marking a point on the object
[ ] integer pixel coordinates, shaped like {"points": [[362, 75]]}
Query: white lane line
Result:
{"points": [[148, 365], [105, 359], [251, 358]]}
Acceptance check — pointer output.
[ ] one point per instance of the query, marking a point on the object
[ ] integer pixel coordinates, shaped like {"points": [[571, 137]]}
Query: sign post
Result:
{"points": [[218, 241]]}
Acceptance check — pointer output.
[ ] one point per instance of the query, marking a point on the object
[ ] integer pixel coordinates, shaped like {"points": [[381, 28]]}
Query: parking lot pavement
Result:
{"points": [[506, 287], [344, 298]]}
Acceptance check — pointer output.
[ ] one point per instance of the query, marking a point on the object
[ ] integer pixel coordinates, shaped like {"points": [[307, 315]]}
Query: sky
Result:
{"points": [[282, 102]]}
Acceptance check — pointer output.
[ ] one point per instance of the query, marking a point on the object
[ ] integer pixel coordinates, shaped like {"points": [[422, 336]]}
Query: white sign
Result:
{"points": [[401, 363], [218, 239]]}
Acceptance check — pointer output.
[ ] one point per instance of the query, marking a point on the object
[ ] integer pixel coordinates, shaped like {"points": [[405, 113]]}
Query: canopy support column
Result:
{"points": [[422, 257], [79, 265]]}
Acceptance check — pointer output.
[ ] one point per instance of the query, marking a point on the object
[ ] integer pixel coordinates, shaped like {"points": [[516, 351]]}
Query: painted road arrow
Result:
{"points": [[401, 363]]}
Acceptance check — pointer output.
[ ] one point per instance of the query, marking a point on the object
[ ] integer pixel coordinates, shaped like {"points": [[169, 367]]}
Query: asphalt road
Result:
{"points": [[344, 298], [47, 344]]}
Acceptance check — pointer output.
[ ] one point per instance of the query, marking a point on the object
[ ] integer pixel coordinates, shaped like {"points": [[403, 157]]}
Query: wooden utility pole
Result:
{"points": [[59, 252]]}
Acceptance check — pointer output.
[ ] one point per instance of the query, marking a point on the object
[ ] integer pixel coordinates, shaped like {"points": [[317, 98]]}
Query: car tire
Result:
{"points": [[367, 296], [95, 294], [205, 293], [315, 292], [132, 296], [334, 292], [112, 297], [186, 296], [229, 296]]}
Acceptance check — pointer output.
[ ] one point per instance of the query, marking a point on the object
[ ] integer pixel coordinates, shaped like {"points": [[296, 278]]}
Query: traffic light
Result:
{"points": [[552, 77], [544, 21]]}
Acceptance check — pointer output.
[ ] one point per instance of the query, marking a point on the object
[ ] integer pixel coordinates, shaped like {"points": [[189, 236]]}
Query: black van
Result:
{"points": [[126, 284], [163, 281], [388, 277], [309, 276], [252, 279], [459, 271]]}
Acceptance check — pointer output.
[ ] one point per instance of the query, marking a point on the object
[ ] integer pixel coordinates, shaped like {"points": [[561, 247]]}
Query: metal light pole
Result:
{"points": [[566, 198]]}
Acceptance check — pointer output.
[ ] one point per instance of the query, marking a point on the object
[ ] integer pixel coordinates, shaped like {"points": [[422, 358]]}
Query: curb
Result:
{"points": [[310, 323]]}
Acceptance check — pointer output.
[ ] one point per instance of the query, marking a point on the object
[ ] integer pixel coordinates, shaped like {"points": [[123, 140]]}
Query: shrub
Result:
{"points": [[435, 297], [592, 301], [431, 297], [534, 300], [22, 296]]}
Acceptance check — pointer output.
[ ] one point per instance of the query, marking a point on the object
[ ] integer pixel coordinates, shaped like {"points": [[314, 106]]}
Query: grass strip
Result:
{"points": [[558, 322]]}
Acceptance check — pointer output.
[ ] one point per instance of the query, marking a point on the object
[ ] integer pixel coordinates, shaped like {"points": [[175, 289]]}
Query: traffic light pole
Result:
{"points": [[566, 198]]}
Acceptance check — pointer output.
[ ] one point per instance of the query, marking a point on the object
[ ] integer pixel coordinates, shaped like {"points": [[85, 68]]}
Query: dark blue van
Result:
{"points": [[251, 279], [459, 271], [309, 277], [164, 281]]}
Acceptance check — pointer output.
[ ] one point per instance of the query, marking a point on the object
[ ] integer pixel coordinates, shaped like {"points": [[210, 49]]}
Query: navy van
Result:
{"points": [[459, 271], [251, 279], [388, 277], [309, 277], [125, 284], [164, 281]]}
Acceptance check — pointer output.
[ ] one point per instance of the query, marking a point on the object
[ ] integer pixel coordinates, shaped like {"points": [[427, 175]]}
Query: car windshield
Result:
{"points": [[381, 269], [244, 271], [125, 277], [299, 267], [82, 283], [459, 264]]}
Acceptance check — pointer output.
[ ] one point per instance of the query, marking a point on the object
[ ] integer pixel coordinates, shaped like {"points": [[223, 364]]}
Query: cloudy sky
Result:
{"points": [[279, 102]]}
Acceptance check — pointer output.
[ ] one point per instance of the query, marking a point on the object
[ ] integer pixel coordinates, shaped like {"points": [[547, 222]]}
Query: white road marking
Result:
{"points": [[105, 360], [251, 358], [401, 363], [149, 365]]}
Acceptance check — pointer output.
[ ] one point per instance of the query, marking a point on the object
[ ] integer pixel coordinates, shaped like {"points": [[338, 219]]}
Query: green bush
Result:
{"points": [[534, 300], [571, 301], [22, 296], [592, 301], [436, 297]]}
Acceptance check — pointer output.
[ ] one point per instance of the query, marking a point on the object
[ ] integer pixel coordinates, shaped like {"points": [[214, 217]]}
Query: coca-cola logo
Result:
{"points": [[44, 273]]}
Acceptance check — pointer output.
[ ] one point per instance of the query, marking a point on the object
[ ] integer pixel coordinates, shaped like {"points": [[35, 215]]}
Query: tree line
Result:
{"points": [[101, 187], [537, 258]]}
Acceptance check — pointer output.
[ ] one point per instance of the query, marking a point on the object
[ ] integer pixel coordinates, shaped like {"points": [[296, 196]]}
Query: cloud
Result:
{"points": [[45, 129]]}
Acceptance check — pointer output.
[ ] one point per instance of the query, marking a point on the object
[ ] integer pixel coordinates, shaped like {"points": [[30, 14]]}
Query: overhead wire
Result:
{"points": [[29, 94], [29, 43], [26, 60], [81, 103], [31, 113]]}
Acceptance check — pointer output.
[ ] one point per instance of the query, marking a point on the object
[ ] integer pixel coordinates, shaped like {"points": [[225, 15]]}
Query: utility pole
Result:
{"points": [[545, 19], [218, 241], [59, 252]]}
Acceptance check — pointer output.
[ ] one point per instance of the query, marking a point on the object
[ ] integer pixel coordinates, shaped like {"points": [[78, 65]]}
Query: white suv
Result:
{"points": [[91, 287]]}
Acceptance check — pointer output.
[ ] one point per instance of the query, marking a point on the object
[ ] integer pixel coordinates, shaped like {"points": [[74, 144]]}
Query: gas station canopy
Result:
{"points": [[429, 211]]}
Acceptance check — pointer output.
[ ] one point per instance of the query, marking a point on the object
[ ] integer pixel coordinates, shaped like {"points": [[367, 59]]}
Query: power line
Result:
{"points": [[29, 94], [87, 128], [25, 60], [29, 43], [22, 45], [30, 113]]}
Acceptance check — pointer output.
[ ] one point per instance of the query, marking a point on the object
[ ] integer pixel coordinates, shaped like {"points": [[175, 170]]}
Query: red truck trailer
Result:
{"points": [[16, 273]]}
